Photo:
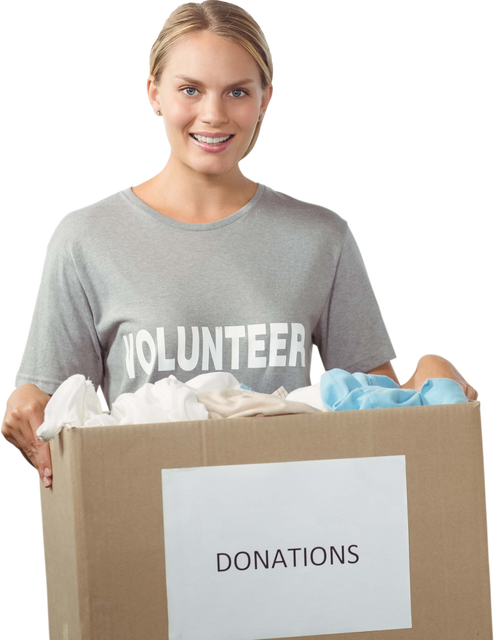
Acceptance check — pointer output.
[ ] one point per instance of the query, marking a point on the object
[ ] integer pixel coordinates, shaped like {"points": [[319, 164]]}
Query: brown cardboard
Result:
{"points": [[103, 516]]}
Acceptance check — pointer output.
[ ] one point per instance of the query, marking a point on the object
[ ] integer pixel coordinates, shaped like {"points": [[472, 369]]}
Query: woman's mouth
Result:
{"points": [[211, 146]]}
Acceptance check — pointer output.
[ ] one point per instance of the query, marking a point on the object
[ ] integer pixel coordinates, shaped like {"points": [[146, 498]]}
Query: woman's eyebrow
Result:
{"points": [[200, 84]]}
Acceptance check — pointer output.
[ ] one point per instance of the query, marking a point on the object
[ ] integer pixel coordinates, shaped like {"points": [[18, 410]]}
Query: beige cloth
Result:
{"points": [[241, 403]]}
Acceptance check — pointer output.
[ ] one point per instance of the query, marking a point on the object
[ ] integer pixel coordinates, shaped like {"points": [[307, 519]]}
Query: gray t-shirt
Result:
{"points": [[129, 296]]}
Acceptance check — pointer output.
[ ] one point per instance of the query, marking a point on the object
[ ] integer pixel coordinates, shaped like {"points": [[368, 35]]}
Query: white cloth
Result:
{"points": [[309, 395], [75, 403]]}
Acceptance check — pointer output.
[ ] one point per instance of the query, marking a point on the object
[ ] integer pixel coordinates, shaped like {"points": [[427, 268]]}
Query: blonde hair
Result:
{"points": [[224, 19]]}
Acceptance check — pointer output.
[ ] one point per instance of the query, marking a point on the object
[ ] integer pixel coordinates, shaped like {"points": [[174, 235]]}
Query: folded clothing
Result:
{"points": [[240, 403], [75, 403], [344, 391], [219, 394]]}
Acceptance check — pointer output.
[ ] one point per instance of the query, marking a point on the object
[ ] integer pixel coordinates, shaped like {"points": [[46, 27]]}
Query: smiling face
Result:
{"points": [[210, 86]]}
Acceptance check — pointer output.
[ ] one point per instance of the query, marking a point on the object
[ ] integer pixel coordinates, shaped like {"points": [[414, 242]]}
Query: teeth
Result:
{"points": [[210, 140]]}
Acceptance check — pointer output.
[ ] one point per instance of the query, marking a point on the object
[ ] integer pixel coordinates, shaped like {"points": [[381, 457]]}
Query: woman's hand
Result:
{"points": [[432, 366], [25, 413]]}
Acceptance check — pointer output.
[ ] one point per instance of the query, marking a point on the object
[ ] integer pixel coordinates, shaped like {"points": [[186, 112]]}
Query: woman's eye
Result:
{"points": [[232, 91]]}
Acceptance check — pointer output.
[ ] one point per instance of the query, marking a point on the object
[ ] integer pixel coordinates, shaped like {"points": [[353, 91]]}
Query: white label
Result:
{"points": [[287, 549]]}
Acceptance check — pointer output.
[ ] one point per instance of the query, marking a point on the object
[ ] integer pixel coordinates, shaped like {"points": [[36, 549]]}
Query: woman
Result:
{"points": [[200, 268]]}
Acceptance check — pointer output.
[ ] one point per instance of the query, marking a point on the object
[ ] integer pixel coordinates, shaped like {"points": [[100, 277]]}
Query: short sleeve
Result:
{"points": [[62, 337], [351, 333]]}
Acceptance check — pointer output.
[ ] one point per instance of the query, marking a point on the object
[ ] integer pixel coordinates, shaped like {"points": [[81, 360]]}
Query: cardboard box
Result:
{"points": [[309, 525]]}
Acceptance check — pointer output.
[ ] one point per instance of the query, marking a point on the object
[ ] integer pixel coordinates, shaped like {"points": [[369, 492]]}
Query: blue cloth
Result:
{"points": [[344, 391], [244, 386]]}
